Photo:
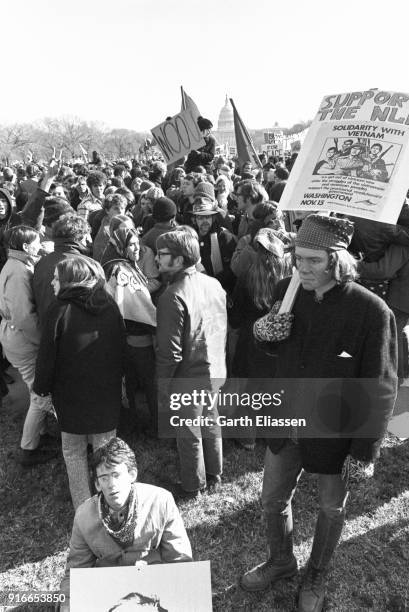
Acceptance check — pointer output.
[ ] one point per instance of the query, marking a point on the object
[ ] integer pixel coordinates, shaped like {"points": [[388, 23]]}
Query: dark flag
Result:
{"points": [[189, 104], [245, 148]]}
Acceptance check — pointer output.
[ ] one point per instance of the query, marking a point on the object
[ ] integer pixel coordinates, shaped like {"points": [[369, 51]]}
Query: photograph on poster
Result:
{"points": [[171, 587]]}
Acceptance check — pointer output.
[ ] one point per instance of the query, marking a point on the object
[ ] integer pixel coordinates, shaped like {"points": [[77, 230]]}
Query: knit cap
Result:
{"points": [[324, 233], [164, 209], [204, 190]]}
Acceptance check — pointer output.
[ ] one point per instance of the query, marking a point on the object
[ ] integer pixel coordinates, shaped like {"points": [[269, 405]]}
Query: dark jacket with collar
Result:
{"points": [[44, 272], [81, 360], [350, 338], [191, 331]]}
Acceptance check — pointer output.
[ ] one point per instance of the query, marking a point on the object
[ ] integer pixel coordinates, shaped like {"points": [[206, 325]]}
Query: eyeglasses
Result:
{"points": [[161, 253]]}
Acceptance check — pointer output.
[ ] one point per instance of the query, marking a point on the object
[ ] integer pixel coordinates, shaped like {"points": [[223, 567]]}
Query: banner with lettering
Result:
{"points": [[355, 157], [178, 136]]}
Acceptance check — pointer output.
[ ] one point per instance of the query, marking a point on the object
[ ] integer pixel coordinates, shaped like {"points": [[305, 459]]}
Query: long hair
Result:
{"points": [[343, 266], [264, 274], [80, 271]]}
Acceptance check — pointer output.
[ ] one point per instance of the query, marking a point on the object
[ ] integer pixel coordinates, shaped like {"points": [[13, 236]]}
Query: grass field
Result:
{"points": [[371, 569]]}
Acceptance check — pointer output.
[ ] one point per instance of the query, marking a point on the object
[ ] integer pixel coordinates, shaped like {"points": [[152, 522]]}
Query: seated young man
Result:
{"points": [[127, 522]]}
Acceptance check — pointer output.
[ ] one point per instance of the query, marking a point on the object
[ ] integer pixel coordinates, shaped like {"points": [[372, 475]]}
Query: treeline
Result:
{"points": [[67, 133]]}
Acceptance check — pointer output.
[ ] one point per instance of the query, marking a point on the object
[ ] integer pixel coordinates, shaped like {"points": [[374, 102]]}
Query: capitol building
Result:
{"points": [[225, 136], [225, 126]]}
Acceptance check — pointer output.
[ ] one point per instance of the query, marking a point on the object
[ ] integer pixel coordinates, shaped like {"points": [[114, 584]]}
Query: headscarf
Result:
{"points": [[121, 237]]}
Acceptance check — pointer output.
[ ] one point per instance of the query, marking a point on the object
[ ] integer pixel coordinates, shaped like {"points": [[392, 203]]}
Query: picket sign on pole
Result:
{"points": [[178, 136]]}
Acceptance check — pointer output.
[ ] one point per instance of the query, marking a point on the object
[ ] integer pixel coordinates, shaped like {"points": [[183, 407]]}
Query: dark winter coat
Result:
{"points": [[350, 337], [371, 238], [203, 156], [227, 244], [249, 358], [44, 273], [80, 360]]}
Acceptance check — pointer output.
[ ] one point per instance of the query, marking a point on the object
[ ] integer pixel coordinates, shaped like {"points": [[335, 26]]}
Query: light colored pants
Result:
{"points": [[74, 450], [22, 354]]}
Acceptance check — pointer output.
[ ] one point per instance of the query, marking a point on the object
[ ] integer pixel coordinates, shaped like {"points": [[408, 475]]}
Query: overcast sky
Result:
{"points": [[122, 62]]}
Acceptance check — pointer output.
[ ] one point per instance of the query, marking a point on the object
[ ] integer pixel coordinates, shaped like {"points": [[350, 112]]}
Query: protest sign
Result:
{"points": [[170, 587], [355, 157], [178, 136]]}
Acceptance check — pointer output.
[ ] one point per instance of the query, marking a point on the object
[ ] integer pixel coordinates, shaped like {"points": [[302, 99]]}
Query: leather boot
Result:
{"points": [[281, 562]]}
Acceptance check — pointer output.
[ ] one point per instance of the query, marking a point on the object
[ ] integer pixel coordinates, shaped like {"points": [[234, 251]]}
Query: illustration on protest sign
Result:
{"points": [[364, 158], [178, 136], [354, 159], [165, 587]]}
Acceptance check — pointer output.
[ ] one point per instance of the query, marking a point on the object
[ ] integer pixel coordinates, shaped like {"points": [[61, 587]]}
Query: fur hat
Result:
{"points": [[164, 209], [324, 233]]}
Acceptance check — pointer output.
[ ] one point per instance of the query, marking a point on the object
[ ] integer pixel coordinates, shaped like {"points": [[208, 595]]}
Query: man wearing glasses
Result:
{"points": [[127, 523], [191, 342]]}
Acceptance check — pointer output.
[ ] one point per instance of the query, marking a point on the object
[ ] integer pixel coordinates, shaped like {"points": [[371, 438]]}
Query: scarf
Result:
{"points": [[120, 238], [124, 534]]}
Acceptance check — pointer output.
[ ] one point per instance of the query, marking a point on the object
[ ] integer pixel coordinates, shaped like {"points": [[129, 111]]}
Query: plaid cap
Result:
{"points": [[324, 233]]}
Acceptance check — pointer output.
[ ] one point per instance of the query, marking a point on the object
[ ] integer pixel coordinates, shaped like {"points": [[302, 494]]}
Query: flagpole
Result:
{"points": [[183, 97]]}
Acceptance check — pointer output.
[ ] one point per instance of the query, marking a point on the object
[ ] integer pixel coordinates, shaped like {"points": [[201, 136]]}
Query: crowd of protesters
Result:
{"points": [[111, 271]]}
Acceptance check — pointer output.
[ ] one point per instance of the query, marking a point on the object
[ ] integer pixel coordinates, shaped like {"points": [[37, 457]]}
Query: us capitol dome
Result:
{"points": [[225, 126]]}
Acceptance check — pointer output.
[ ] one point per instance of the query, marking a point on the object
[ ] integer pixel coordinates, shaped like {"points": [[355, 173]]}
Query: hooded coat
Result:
{"points": [[81, 359]]}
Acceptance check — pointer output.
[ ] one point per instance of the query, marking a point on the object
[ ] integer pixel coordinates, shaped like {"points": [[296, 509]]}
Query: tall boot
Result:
{"points": [[281, 562], [327, 534]]}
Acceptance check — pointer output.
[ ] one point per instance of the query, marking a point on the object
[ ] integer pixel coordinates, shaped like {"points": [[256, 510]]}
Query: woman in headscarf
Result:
{"points": [[146, 260], [129, 287]]}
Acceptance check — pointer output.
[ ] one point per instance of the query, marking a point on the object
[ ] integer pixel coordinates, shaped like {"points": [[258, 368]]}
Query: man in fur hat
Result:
{"points": [[344, 333]]}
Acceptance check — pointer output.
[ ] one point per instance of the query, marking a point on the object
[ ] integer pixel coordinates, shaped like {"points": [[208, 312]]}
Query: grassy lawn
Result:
{"points": [[371, 569]]}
